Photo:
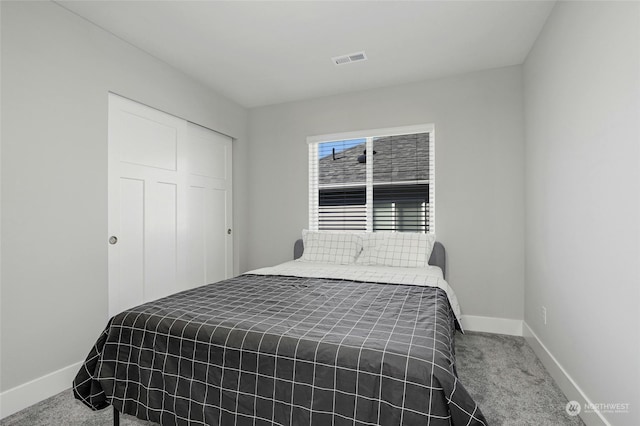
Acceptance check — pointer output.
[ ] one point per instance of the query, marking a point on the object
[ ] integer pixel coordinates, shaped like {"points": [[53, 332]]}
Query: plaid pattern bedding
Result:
{"points": [[265, 350]]}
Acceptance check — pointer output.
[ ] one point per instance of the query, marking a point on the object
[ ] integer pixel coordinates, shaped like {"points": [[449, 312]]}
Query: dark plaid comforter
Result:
{"points": [[264, 350]]}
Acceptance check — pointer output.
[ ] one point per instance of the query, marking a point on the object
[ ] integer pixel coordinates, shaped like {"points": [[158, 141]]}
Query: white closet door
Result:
{"points": [[152, 161], [209, 243]]}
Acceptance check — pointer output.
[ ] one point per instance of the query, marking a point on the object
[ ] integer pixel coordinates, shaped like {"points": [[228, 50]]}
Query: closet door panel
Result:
{"points": [[130, 291], [216, 255], [148, 142], [169, 203], [161, 240], [209, 170], [195, 242]]}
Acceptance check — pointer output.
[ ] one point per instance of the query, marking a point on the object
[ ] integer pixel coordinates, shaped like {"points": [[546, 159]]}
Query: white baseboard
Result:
{"points": [[568, 386], [511, 327], [27, 394]]}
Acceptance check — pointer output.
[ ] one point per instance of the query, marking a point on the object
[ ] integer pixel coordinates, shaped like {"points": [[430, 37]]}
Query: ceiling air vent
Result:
{"points": [[347, 59]]}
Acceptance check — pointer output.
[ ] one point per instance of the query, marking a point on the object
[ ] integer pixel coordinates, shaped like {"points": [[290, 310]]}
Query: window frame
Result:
{"points": [[313, 185]]}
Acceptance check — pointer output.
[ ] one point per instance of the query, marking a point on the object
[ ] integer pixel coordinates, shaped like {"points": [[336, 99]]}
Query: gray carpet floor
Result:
{"points": [[508, 381], [500, 372]]}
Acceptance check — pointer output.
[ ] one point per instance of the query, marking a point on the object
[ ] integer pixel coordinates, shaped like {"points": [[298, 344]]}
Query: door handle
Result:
{"points": [[113, 239]]}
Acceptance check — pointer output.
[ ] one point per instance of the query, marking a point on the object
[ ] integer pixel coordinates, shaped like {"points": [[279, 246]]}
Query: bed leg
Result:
{"points": [[116, 417]]}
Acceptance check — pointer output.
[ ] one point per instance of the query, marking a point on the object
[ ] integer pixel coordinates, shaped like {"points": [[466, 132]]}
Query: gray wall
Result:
{"points": [[479, 175], [56, 71], [582, 88]]}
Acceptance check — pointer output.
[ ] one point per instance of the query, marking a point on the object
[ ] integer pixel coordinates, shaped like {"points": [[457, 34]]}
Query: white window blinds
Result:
{"points": [[373, 183]]}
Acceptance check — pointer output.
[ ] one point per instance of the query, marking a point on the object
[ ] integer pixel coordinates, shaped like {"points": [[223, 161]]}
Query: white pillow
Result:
{"points": [[330, 247], [403, 249]]}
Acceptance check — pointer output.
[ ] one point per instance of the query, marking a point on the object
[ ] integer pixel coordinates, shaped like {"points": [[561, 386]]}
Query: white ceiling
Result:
{"points": [[268, 52]]}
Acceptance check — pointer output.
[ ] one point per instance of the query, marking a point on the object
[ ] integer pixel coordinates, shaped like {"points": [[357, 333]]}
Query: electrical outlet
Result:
{"points": [[543, 313]]}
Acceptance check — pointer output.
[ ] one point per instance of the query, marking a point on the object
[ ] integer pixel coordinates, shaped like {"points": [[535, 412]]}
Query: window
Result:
{"points": [[379, 180]]}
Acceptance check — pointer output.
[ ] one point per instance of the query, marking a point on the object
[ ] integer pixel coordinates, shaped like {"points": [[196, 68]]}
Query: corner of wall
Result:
{"points": [[565, 382]]}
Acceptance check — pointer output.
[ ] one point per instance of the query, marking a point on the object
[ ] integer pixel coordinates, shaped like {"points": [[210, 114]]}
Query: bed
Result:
{"points": [[306, 342]]}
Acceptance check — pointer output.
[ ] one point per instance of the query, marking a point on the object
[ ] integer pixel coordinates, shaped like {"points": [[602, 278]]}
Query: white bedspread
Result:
{"points": [[430, 276]]}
